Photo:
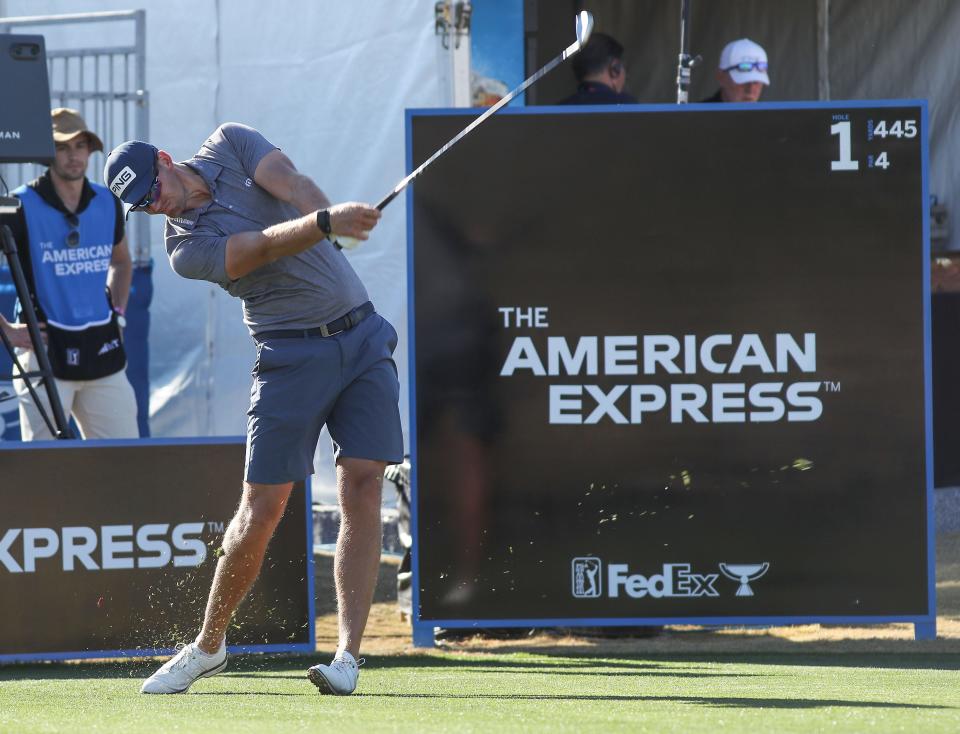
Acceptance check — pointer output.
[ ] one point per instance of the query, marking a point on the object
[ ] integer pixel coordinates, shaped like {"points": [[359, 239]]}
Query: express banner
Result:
{"points": [[672, 364], [109, 547]]}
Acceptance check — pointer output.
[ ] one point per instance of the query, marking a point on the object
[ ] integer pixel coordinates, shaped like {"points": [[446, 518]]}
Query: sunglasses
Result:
{"points": [[748, 66], [73, 236], [153, 193]]}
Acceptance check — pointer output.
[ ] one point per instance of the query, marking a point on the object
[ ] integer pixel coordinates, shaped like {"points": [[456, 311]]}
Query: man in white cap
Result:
{"points": [[742, 73]]}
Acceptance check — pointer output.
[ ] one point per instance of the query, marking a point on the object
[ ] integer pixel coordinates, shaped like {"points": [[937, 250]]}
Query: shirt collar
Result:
{"points": [[593, 87], [209, 172], [44, 187]]}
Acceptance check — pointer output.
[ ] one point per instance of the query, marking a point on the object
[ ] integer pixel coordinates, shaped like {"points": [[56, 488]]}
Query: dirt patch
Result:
{"points": [[388, 634]]}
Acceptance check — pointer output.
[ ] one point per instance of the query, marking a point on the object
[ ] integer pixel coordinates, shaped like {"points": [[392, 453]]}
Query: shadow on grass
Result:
{"points": [[842, 658], [885, 660], [664, 672], [555, 661], [252, 693], [739, 702]]}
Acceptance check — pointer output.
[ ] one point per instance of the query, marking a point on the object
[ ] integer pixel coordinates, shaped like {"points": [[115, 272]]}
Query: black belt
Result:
{"points": [[336, 326]]}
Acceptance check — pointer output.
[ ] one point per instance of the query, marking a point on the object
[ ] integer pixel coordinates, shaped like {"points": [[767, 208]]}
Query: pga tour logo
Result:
{"points": [[586, 577], [674, 580]]}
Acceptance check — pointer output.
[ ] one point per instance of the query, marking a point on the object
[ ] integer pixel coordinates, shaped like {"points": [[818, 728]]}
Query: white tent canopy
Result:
{"points": [[328, 82]]}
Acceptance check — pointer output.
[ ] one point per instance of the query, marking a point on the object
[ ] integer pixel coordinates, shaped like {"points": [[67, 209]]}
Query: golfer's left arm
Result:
{"points": [[277, 174]]}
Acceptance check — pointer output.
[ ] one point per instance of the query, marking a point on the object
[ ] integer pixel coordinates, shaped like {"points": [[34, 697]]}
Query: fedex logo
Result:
{"points": [[674, 580]]}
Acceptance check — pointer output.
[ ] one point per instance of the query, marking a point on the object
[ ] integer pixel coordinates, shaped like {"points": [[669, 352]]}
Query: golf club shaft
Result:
{"points": [[584, 28], [567, 52]]}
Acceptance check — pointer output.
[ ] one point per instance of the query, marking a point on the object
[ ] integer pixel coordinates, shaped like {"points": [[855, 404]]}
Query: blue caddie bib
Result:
{"points": [[70, 280]]}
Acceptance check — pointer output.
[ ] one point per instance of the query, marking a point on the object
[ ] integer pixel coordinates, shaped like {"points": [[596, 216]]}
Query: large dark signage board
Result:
{"points": [[671, 365], [25, 133], [109, 547]]}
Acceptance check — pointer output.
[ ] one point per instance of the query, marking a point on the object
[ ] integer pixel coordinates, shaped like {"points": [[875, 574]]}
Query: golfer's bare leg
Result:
{"points": [[244, 545], [357, 561]]}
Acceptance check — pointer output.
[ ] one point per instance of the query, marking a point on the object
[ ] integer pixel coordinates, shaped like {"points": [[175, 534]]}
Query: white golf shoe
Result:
{"points": [[188, 665], [339, 678]]}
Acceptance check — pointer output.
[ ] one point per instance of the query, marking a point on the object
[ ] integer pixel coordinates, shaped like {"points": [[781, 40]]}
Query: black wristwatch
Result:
{"points": [[323, 221]]}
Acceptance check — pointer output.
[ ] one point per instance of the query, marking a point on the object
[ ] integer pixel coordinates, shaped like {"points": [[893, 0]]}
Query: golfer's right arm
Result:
{"points": [[247, 251]]}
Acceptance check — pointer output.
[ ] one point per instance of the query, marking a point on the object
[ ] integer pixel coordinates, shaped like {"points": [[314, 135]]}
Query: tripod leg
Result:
{"points": [[39, 349], [20, 373], [36, 415]]}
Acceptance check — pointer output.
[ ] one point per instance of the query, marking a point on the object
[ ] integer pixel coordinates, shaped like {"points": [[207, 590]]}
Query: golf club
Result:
{"points": [[584, 28]]}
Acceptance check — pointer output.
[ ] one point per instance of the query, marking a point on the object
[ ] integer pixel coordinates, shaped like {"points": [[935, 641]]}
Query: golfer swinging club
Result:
{"points": [[240, 215]]}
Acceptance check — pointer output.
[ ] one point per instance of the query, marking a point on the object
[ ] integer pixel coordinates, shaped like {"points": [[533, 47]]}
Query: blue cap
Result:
{"points": [[129, 172]]}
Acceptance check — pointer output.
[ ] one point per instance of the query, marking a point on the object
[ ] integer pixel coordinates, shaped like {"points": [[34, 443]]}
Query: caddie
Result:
{"points": [[73, 249]]}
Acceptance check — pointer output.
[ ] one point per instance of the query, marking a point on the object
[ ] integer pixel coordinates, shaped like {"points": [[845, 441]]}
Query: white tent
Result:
{"points": [[328, 82]]}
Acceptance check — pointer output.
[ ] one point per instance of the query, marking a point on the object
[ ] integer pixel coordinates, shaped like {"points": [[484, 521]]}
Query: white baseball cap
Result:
{"points": [[745, 61]]}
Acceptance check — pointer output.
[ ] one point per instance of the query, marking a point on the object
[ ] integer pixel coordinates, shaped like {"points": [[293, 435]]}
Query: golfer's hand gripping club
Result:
{"points": [[355, 220]]}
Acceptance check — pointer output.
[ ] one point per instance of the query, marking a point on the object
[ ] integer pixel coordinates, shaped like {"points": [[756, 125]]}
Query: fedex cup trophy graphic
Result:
{"points": [[744, 573]]}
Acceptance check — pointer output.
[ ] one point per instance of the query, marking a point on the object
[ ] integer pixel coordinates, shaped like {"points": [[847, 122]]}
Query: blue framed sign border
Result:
{"points": [[298, 647], [925, 626]]}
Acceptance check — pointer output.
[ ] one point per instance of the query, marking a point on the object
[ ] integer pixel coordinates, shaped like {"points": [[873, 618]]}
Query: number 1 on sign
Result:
{"points": [[846, 163]]}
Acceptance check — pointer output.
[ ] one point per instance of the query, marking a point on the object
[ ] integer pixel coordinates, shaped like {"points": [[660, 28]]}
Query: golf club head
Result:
{"points": [[584, 26]]}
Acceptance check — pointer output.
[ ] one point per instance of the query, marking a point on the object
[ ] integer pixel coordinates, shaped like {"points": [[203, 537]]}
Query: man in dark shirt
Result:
{"points": [[601, 75]]}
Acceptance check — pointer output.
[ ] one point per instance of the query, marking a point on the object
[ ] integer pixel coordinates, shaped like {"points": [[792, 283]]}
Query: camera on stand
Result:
{"points": [[26, 136]]}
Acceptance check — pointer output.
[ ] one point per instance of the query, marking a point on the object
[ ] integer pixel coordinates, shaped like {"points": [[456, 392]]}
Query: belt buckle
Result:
{"points": [[349, 321], [325, 329]]}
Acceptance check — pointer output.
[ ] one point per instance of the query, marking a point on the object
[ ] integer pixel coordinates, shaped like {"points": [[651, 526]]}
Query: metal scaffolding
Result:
{"points": [[107, 84]]}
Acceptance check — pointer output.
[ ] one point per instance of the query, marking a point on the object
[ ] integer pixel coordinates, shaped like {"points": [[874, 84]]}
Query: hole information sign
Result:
{"points": [[671, 364]]}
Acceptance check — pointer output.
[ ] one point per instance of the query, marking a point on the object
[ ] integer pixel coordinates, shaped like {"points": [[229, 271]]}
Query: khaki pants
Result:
{"points": [[102, 408]]}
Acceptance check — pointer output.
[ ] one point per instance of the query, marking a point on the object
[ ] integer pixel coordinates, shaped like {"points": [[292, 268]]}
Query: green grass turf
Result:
{"points": [[504, 692]]}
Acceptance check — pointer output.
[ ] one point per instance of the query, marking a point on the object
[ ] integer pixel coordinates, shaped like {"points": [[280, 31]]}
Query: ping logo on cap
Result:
{"points": [[122, 180]]}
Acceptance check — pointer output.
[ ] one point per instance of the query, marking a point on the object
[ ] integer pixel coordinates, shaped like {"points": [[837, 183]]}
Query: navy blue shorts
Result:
{"points": [[347, 381]]}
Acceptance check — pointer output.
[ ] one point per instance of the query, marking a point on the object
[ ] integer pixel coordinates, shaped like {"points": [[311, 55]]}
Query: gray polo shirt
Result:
{"points": [[295, 292]]}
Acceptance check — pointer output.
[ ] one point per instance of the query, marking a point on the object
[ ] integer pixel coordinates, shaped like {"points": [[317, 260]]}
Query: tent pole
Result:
{"points": [[686, 62], [823, 50]]}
